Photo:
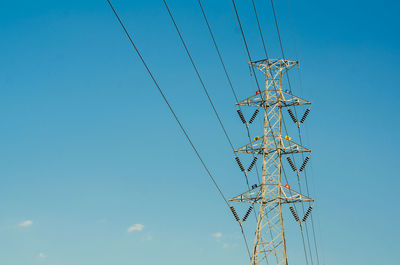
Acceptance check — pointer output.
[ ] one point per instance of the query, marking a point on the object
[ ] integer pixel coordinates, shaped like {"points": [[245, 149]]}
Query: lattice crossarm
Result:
{"points": [[291, 196]]}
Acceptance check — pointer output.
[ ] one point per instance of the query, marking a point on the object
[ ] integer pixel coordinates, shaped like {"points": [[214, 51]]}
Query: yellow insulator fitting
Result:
{"points": [[256, 138], [288, 138]]}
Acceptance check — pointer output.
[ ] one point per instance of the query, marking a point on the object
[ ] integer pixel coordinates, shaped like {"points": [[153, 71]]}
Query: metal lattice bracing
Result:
{"points": [[270, 196]]}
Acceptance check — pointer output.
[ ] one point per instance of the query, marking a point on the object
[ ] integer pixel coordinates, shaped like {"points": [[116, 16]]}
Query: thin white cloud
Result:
{"points": [[217, 235], [42, 256], [26, 223], [136, 227], [148, 238]]}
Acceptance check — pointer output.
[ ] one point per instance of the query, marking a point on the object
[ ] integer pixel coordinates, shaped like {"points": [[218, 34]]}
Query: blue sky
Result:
{"points": [[95, 171]]}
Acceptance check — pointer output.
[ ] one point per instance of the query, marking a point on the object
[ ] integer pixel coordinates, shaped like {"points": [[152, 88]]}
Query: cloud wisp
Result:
{"points": [[135, 227], [26, 223], [148, 238], [217, 235], [42, 256], [220, 238]]}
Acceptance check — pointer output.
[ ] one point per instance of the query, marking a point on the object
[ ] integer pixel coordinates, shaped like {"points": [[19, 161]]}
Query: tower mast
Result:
{"points": [[271, 195]]}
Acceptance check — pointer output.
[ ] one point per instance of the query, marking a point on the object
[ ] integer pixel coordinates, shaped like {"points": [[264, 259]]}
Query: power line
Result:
{"points": [[300, 190], [266, 53], [229, 80], [288, 79], [283, 54], [259, 28], [301, 142], [255, 77], [295, 43], [294, 205], [308, 194], [218, 51], [226, 72], [247, 51], [202, 84], [198, 75], [230, 84], [171, 109], [280, 40], [168, 104], [245, 42], [209, 99]]}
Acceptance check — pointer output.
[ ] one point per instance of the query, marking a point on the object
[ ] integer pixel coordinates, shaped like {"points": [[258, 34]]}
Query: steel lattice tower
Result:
{"points": [[271, 195]]}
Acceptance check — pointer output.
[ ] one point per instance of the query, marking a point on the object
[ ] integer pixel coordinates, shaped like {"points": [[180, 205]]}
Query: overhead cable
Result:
{"points": [[169, 106]]}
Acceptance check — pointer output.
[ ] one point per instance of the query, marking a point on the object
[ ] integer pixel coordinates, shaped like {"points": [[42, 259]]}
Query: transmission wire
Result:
{"points": [[252, 68], [226, 74], [308, 194], [209, 99], [287, 75], [301, 87], [280, 41], [259, 28], [229, 81], [168, 104], [218, 51], [199, 76], [175, 116], [264, 46], [245, 43]]}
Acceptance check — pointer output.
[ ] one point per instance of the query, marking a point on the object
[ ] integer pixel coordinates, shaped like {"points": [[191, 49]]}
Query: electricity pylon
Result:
{"points": [[270, 195]]}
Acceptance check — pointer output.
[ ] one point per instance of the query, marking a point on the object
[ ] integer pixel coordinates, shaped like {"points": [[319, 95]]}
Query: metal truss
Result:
{"points": [[268, 145], [271, 195], [288, 100], [285, 195], [275, 66]]}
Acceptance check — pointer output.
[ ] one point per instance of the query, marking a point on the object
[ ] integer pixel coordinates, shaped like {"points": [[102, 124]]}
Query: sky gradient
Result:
{"points": [[94, 169]]}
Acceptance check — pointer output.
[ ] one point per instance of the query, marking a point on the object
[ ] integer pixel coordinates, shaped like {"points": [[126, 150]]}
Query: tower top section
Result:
{"points": [[274, 66]]}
